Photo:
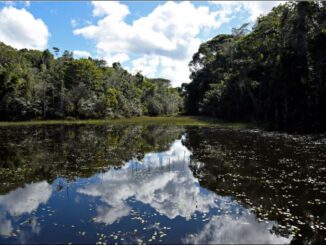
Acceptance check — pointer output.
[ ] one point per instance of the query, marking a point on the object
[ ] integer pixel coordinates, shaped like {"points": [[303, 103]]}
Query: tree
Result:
{"points": [[34, 84], [271, 75]]}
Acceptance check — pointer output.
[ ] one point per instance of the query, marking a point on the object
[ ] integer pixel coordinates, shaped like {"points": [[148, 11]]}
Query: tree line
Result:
{"points": [[274, 75], [41, 85]]}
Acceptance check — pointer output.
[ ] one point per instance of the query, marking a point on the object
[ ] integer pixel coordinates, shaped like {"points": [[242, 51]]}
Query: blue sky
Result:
{"points": [[156, 38]]}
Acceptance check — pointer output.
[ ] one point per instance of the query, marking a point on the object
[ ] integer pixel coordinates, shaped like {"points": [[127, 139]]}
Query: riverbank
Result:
{"points": [[168, 120]]}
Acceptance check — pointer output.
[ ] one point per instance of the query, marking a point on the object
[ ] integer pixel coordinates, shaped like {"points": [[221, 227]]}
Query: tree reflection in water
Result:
{"points": [[159, 184]]}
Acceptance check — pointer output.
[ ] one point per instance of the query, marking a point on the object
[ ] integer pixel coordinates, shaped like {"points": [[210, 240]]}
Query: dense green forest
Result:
{"points": [[35, 84], [274, 75]]}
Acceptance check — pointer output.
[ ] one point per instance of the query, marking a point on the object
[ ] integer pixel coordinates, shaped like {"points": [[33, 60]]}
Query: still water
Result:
{"points": [[160, 184]]}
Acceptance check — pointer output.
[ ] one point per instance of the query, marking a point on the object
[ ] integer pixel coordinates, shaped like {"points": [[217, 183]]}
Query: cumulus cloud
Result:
{"points": [[161, 41], [20, 29], [117, 57], [81, 54], [147, 65], [114, 9]]}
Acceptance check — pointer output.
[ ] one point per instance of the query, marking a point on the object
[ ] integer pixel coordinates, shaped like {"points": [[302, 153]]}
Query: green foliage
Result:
{"points": [[35, 85], [274, 75]]}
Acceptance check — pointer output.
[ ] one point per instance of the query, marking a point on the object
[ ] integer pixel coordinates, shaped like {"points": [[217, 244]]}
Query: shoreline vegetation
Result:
{"points": [[273, 75], [144, 120], [36, 84]]}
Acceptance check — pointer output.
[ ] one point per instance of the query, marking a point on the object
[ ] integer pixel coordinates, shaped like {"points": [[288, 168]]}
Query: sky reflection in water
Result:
{"points": [[154, 200]]}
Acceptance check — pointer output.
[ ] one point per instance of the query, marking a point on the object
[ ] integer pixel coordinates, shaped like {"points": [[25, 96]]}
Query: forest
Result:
{"points": [[274, 75], [40, 85], [102, 153]]}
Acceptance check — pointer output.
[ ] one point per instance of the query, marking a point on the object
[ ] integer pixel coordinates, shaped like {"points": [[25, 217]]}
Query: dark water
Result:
{"points": [[160, 184]]}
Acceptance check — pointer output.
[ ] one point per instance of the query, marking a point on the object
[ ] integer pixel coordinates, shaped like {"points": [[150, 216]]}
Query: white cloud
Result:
{"points": [[20, 29], [176, 71], [147, 64], [254, 8], [81, 54], [162, 41], [117, 57], [114, 9], [227, 9], [257, 8]]}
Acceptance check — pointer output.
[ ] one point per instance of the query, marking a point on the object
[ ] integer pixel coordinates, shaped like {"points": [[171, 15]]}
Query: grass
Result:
{"points": [[145, 120]]}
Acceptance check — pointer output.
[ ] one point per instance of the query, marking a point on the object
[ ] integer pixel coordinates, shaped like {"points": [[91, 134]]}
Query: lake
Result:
{"points": [[160, 184]]}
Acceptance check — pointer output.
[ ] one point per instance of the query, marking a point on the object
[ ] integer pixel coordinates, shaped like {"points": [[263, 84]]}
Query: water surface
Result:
{"points": [[160, 184]]}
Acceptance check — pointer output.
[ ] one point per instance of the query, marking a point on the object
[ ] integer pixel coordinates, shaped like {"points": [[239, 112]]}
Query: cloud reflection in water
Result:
{"points": [[166, 183], [23, 200]]}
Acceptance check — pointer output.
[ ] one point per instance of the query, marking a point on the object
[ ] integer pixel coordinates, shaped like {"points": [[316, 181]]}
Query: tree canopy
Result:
{"points": [[274, 75], [36, 84]]}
